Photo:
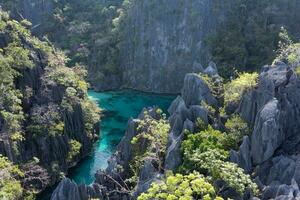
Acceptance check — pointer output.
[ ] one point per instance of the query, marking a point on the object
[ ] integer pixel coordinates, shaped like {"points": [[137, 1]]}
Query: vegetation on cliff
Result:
{"points": [[38, 97], [249, 37]]}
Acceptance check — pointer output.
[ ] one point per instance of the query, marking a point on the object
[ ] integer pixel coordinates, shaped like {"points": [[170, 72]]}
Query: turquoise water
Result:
{"points": [[118, 107]]}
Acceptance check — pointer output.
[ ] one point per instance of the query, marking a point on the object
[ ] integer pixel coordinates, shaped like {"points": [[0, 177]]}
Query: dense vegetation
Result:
{"points": [[249, 38], [39, 95], [150, 143], [182, 187]]}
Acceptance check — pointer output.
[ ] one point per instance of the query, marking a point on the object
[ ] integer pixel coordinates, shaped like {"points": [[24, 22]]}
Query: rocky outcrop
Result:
{"points": [[69, 190], [196, 90], [267, 135], [185, 111], [243, 156], [272, 109], [167, 42], [43, 109]]}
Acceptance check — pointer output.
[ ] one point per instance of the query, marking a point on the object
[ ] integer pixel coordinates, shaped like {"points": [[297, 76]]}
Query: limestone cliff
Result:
{"points": [[47, 123]]}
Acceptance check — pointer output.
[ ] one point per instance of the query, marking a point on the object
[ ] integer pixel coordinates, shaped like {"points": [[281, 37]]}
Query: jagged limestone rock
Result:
{"points": [[243, 156], [195, 90], [267, 135]]}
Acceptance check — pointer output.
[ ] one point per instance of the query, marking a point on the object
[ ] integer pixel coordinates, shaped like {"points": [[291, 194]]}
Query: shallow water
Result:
{"points": [[118, 107]]}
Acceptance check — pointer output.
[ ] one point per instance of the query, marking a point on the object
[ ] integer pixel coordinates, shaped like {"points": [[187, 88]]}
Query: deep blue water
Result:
{"points": [[118, 107]]}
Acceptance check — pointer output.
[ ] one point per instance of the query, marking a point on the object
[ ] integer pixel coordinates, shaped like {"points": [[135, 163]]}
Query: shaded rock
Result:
{"points": [[197, 67], [243, 157], [198, 112], [282, 192], [195, 90], [124, 149], [173, 156], [212, 69], [66, 190], [174, 105], [147, 176], [267, 135], [281, 169]]}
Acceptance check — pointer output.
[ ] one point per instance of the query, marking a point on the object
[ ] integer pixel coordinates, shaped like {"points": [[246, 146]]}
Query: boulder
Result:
{"points": [[198, 112]]}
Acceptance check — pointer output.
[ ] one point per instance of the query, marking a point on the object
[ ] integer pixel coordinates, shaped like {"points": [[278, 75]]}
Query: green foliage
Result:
{"points": [[85, 30], [75, 147], [248, 38], [237, 87], [203, 141], [215, 84], [91, 115], [150, 142], [10, 186], [183, 187], [207, 153], [237, 128], [46, 120], [234, 176], [197, 145]]}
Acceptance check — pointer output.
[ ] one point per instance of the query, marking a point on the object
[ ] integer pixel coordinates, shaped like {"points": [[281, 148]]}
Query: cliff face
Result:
{"points": [[36, 11], [146, 45], [164, 41], [47, 123]]}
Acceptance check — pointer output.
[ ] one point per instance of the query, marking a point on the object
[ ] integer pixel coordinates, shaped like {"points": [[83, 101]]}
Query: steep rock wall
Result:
{"points": [[164, 40]]}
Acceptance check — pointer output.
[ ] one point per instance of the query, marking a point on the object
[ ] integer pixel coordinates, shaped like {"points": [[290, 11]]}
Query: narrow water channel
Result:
{"points": [[118, 107]]}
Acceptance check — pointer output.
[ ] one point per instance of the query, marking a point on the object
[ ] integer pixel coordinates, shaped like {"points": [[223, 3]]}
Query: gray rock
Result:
{"points": [[174, 105], [195, 90], [173, 156], [267, 135], [212, 69], [66, 190], [243, 157], [280, 169], [198, 112], [147, 176], [282, 192], [197, 67]]}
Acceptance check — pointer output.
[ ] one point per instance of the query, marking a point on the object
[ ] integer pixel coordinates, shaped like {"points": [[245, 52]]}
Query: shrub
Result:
{"points": [[185, 187], [237, 128], [91, 114], [205, 152], [10, 186], [237, 87], [203, 141], [150, 142], [233, 176], [74, 150]]}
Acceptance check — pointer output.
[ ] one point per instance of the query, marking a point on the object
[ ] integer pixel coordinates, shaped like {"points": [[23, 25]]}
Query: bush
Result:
{"points": [[205, 152], [233, 176], [74, 150], [237, 87], [91, 115], [10, 186], [185, 187], [203, 141], [150, 142], [236, 129]]}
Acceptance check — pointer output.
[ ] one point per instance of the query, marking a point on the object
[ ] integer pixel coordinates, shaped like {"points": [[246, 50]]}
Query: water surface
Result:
{"points": [[118, 107]]}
